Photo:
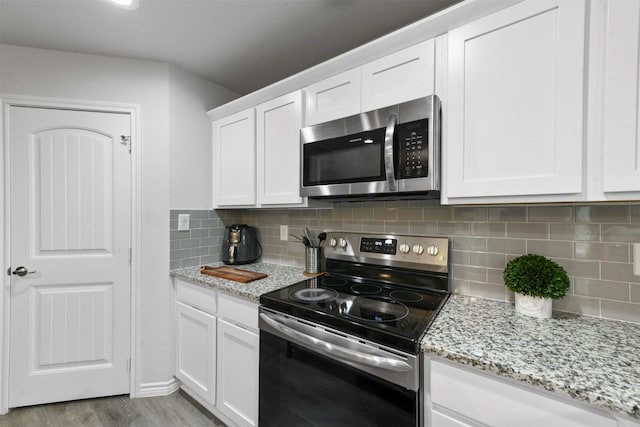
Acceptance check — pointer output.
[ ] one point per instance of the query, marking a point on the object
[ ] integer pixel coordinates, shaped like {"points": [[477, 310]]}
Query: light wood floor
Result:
{"points": [[175, 410]]}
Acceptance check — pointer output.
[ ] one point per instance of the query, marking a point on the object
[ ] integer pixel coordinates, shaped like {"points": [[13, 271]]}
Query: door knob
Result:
{"points": [[22, 271]]}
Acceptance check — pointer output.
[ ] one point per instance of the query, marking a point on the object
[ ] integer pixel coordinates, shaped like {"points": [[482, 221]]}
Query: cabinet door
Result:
{"points": [[238, 373], [196, 351], [479, 398], [621, 140], [515, 107], [402, 76], [278, 126], [234, 160], [333, 98]]}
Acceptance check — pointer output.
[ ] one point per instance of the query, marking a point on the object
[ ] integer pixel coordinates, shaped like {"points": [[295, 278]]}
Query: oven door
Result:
{"points": [[311, 376]]}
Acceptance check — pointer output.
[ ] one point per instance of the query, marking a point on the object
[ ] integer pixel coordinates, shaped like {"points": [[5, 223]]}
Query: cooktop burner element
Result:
{"points": [[374, 309], [366, 289], [386, 289], [334, 281], [314, 294]]}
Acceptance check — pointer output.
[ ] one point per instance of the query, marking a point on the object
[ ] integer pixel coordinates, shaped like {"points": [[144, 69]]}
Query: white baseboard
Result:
{"points": [[158, 389]]}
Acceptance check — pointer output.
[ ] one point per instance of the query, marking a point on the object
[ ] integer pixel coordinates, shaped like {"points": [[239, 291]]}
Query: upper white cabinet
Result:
{"points": [[335, 97], [278, 126], [401, 76], [234, 160], [620, 138], [514, 106], [256, 156]]}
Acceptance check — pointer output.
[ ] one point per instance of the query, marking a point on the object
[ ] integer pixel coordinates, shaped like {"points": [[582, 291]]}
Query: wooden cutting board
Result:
{"points": [[231, 273]]}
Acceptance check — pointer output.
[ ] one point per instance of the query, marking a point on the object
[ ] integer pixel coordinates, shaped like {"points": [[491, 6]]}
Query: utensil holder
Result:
{"points": [[312, 261]]}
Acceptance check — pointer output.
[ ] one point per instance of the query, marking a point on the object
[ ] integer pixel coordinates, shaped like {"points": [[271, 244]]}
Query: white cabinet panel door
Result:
{"points": [[621, 138], [70, 222], [492, 402], [238, 351], [333, 98], [278, 126], [515, 107], [234, 160], [196, 351], [399, 77]]}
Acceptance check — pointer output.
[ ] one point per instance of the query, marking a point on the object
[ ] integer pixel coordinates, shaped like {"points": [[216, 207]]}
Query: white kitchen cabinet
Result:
{"points": [[238, 360], [399, 77], [514, 107], [332, 98], [461, 396], [620, 138], [195, 338], [278, 124], [234, 160]]}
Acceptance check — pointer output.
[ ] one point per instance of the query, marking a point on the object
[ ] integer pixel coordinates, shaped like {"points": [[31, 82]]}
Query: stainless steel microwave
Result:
{"points": [[393, 152]]}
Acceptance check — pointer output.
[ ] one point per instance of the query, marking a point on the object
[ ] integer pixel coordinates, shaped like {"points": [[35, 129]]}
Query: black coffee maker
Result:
{"points": [[240, 245]]}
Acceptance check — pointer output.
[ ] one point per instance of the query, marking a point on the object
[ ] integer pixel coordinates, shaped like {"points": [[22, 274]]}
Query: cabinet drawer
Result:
{"points": [[238, 310], [497, 403], [196, 296]]}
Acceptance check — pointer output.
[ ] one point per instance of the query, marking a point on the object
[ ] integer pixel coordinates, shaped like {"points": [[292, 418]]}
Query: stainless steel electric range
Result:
{"points": [[342, 349]]}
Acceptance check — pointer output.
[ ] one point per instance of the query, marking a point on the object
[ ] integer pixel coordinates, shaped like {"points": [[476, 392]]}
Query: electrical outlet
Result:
{"points": [[183, 222], [284, 232], [636, 259]]}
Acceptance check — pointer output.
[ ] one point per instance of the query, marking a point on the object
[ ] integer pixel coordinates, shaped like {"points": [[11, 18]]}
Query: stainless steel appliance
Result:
{"points": [[240, 245], [343, 349], [391, 152]]}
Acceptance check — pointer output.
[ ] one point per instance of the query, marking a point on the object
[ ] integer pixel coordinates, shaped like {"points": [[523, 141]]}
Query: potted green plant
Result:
{"points": [[536, 281]]}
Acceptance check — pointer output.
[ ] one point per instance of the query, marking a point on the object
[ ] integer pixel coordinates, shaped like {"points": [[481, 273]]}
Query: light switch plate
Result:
{"points": [[636, 259], [284, 232], [183, 222]]}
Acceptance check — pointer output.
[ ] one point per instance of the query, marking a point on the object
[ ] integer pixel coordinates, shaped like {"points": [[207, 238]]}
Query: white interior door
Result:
{"points": [[70, 223]]}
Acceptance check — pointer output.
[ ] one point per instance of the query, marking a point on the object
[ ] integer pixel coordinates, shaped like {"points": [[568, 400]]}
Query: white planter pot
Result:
{"points": [[533, 306]]}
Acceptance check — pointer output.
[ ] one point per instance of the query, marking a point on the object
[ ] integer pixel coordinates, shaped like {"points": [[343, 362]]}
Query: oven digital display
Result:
{"points": [[378, 246]]}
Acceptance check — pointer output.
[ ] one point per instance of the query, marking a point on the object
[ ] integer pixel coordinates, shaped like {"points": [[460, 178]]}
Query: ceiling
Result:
{"points": [[242, 45]]}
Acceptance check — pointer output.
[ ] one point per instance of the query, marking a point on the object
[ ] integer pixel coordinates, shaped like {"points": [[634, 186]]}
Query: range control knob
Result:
{"points": [[404, 248], [342, 243], [418, 249], [333, 242], [433, 250]]}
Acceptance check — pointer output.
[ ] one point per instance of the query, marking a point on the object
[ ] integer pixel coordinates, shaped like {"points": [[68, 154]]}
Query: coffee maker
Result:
{"points": [[240, 245]]}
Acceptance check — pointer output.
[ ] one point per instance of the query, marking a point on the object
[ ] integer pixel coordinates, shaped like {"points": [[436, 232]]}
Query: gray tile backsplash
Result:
{"points": [[203, 242], [592, 242]]}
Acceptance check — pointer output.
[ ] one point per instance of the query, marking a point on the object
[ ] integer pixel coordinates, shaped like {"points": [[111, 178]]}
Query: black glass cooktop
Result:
{"points": [[390, 314]]}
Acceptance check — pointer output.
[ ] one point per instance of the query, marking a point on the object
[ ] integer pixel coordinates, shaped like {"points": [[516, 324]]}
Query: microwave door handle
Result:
{"points": [[388, 153]]}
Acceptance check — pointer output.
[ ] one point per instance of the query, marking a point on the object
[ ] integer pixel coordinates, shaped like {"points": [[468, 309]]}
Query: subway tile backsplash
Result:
{"points": [[592, 242]]}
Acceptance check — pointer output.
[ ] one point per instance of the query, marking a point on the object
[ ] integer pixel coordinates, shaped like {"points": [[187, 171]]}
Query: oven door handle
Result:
{"points": [[335, 351], [389, 163]]}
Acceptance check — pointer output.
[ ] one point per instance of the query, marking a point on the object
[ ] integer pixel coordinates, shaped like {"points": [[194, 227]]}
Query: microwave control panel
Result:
{"points": [[413, 149]]}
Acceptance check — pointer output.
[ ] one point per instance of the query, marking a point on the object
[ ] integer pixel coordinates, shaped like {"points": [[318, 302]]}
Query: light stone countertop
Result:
{"points": [[593, 360], [278, 276]]}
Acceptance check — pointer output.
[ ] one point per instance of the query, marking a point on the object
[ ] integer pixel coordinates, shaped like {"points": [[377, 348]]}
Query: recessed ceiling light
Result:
{"points": [[126, 4]]}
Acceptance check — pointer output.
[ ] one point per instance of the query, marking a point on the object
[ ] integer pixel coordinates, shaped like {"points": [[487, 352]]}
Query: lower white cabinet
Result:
{"points": [[196, 351], [458, 396], [238, 373], [217, 352]]}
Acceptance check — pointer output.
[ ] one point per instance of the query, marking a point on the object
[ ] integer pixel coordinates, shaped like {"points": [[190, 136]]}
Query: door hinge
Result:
{"points": [[126, 141], [129, 365]]}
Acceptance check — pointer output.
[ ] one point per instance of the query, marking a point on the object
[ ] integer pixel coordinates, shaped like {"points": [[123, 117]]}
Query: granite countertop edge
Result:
{"points": [[612, 388]]}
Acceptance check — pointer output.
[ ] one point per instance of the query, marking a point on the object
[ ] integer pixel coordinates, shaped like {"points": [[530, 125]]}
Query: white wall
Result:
{"points": [[45, 73], [190, 97]]}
